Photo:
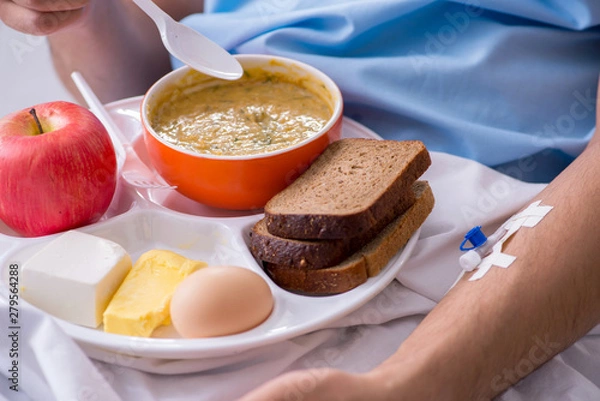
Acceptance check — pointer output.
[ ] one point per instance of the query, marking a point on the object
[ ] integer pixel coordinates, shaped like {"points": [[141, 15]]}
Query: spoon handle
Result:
{"points": [[155, 12], [117, 137], [131, 167]]}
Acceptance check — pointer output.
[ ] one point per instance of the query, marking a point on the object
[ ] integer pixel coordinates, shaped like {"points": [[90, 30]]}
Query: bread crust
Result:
{"points": [[366, 262], [334, 280], [318, 254], [311, 207]]}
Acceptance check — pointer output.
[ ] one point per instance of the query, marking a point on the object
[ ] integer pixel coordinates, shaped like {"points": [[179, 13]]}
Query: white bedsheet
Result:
{"points": [[53, 367]]}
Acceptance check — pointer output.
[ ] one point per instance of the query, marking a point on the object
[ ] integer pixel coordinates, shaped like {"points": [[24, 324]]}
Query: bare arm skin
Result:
{"points": [[112, 43], [485, 335]]}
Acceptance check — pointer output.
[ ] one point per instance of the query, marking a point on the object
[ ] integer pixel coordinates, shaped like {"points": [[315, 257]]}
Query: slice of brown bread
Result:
{"points": [[365, 263], [347, 189], [317, 254]]}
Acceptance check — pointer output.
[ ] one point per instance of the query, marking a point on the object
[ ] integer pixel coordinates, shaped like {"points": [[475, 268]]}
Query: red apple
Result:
{"points": [[58, 169]]}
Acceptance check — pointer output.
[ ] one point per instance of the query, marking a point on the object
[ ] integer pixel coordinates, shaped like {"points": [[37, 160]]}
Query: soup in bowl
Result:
{"points": [[235, 144]]}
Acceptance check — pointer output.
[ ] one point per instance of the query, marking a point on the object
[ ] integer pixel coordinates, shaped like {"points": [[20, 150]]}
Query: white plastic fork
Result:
{"points": [[133, 170]]}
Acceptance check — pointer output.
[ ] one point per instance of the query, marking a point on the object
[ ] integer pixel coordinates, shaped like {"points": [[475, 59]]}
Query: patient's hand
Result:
{"points": [[42, 17], [319, 385]]}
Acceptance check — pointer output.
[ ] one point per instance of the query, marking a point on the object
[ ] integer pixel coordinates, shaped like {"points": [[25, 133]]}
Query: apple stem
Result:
{"points": [[37, 120]]}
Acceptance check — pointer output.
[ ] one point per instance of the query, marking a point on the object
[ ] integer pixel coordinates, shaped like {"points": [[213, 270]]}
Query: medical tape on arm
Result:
{"points": [[486, 253]]}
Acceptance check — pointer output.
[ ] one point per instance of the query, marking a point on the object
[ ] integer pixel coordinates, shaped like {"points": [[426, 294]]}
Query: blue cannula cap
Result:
{"points": [[475, 236]]}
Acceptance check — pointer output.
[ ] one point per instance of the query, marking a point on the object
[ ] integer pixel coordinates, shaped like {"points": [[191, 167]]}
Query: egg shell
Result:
{"points": [[219, 301]]}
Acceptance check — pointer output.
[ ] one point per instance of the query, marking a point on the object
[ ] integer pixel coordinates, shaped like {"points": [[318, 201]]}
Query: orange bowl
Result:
{"points": [[239, 182]]}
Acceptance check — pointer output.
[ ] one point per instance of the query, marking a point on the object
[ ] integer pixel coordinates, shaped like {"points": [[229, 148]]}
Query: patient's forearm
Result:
{"points": [[486, 335]]}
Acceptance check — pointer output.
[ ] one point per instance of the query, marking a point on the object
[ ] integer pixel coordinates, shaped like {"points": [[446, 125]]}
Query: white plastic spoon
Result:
{"points": [[131, 168], [191, 47]]}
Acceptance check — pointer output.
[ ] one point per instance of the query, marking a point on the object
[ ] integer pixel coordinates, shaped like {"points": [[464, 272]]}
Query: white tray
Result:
{"points": [[145, 219]]}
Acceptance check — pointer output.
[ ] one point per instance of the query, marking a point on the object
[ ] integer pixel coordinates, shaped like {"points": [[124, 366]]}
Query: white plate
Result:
{"points": [[144, 220]]}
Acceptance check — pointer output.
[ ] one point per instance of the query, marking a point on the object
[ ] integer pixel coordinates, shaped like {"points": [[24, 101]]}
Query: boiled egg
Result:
{"points": [[219, 301]]}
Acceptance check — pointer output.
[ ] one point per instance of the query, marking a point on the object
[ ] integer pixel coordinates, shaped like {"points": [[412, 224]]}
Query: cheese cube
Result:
{"points": [[75, 276]]}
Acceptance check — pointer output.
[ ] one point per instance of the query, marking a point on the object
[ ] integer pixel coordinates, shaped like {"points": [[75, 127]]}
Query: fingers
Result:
{"points": [[51, 5], [283, 388], [36, 22], [313, 385]]}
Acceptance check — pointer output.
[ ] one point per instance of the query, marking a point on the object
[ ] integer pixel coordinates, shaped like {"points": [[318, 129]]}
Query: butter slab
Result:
{"points": [[141, 303]]}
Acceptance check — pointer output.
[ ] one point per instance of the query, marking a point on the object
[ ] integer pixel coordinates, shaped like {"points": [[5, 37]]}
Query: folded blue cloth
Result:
{"points": [[511, 84]]}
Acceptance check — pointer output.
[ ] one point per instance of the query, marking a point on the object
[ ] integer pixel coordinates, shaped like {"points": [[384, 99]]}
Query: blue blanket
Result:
{"points": [[511, 84]]}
